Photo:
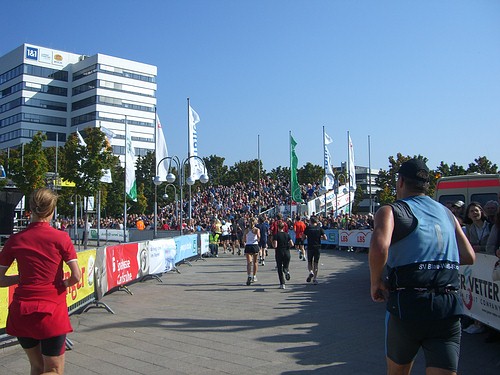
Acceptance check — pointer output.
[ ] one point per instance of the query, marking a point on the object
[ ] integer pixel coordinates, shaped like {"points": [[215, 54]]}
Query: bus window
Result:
{"points": [[483, 198], [448, 200]]}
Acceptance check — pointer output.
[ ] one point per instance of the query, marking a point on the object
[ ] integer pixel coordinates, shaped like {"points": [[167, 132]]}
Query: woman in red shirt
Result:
{"points": [[38, 314]]}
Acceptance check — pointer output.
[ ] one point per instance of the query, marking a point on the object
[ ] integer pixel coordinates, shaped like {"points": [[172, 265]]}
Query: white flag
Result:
{"points": [[161, 151], [80, 139], [195, 164], [352, 168], [106, 173], [329, 176], [328, 139], [130, 183]]}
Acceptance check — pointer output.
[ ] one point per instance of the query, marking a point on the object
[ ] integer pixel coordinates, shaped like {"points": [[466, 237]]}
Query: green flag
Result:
{"points": [[294, 161]]}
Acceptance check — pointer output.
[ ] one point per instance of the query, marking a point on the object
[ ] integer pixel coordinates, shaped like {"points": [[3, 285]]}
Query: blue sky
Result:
{"points": [[418, 77]]}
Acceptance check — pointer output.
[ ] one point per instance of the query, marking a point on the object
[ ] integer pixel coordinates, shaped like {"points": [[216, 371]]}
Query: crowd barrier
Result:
{"points": [[116, 267]]}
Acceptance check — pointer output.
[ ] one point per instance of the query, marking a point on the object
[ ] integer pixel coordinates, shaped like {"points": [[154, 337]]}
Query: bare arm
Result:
{"points": [[7, 280], [76, 274], [465, 250], [379, 250]]}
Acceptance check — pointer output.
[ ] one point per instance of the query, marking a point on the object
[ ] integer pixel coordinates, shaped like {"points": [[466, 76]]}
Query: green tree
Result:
{"points": [[482, 165], [445, 170], [310, 173], [216, 169], [29, 171], [243, 171], [280, 173], [358, 197], [144, 174]]}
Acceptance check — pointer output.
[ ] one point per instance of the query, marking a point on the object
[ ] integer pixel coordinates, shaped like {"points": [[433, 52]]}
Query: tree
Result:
{"points": [[445, 170], [243, 171], [482, 165], [358, 197], [280, 173], [144, 174], [216, 169], [387, 179], [29, 171], [310, 173]]}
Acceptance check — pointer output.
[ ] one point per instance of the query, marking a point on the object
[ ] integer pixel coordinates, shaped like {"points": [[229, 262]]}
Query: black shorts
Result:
{"points": [[252, 249], [51, 347], [313, 254], [225, 237], [439, 339], [299, 242]]}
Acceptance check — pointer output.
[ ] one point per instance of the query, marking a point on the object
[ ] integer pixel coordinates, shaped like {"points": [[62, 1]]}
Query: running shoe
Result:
{"points": [[287, 275], [315, 282], [282, 286], [309, 278], [263, 263], [254, 279], [300, 256], [249, 280]]}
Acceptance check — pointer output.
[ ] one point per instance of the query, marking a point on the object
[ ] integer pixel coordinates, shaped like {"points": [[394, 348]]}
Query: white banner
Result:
{"points": [[355, 238], [115, 235], [480, 294]]}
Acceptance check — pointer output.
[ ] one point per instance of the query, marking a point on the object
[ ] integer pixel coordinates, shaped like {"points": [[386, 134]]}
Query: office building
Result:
{"points": [[56, 92]]}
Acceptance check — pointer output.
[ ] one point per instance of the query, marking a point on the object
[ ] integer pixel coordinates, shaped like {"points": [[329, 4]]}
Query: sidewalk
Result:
{"points": [[205, 320]]}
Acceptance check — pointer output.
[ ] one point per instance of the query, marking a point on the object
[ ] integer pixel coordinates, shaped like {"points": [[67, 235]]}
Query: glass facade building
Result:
{"points": [[58, 92]]}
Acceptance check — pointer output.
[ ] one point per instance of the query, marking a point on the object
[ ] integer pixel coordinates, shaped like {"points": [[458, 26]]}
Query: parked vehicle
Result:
{"points": [[468, 188]]}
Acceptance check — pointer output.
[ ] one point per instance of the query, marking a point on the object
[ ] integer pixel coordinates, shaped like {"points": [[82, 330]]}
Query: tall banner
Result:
{"points": [[130, 183], [161, 151], [352, 168], [329, 176], [194, 163], [294, 183]]}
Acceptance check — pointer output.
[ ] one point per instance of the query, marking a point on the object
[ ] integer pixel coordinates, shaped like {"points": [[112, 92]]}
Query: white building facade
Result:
{"points": [[58, 93]]}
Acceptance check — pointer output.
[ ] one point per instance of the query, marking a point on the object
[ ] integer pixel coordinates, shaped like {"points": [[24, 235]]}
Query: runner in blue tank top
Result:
{"points": [[419, 244]]}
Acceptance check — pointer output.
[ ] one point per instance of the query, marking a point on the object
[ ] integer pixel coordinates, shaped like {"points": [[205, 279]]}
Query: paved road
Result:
{"points": [[205, 320]]}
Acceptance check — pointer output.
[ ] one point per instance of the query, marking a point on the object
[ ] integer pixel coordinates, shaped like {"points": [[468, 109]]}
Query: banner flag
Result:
{"points": [[328, 139], [195, 164], [329, 176], [294, 161], [130, 183], [80, 139], [161, 151], [106, 173], [352, 168]]}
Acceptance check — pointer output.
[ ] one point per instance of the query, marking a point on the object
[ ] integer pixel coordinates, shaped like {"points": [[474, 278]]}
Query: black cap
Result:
{"points": [[415, 169]]}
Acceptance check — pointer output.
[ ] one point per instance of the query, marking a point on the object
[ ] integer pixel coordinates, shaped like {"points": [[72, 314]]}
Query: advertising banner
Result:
{"points": [[355, 238], [156, 254], [204, 249], [480, 293], [84, 288], [122, 265], [187, 247], [6, 296], [115, 235]]}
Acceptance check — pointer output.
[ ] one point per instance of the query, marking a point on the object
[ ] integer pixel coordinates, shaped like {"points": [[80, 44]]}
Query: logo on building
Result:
{"points": [[32, 53]]}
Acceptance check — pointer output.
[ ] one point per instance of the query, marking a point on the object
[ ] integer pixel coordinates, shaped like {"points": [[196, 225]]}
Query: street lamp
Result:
{"points": [[181, 166], [74, 202]]}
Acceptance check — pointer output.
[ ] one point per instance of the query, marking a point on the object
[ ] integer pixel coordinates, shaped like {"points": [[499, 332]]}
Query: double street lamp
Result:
{"points": [[181, 167]]}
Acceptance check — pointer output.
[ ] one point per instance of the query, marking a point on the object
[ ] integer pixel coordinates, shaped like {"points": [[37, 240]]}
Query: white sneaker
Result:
{"points": [[254, 279], [282, 286]]}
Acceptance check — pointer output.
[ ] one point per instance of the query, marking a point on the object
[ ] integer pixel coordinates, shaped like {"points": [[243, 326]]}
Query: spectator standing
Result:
{"points": [[38, 314], [477, 227]]}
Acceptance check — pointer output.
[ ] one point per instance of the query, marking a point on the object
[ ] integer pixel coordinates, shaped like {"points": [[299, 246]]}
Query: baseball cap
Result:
{"points": [[458, 204], [415, 169]]}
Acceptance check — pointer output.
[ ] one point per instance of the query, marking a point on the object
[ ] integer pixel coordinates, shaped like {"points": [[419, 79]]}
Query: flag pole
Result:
{"points": [[349, 169], [290, 153], [189, 155], [125, 189], [155, 221], [258, 161], [324, 169], [370, 175]]}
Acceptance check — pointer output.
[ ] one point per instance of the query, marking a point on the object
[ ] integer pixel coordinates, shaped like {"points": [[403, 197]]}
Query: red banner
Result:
{"points": [[121, 264]]}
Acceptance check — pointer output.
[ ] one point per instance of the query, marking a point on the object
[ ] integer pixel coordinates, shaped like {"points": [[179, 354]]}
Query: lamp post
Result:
{"points": [[74, 202], [181, 167]]}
